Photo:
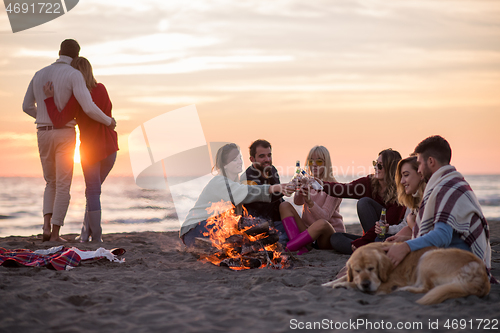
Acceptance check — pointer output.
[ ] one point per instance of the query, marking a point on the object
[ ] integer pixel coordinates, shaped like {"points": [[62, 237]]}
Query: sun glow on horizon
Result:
{"points": [[357, 78], [76, 157]]}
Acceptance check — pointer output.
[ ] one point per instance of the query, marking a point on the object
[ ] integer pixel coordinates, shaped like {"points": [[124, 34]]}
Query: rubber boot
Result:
{"points": [[291, 228], [292, 231], [299, 242], [85, 233], [95, 226]]}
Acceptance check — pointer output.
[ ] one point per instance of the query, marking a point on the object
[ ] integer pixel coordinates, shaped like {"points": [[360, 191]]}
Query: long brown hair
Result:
{"points": [[390, 159], [222, 156], [84, 66], [411, 200]]}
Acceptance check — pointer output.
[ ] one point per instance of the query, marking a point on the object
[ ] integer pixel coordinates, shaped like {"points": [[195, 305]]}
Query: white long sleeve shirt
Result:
{"points": [[67, 80]]}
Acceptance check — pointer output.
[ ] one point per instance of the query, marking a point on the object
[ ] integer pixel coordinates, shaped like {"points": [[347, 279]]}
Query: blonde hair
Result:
{"points": [[322, 153], [390, 159], [84, 66], [409, 200]]}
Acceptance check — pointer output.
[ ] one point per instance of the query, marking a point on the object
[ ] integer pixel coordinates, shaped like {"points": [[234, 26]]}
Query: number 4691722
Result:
{"points": [[32, 8], [485, 324]]}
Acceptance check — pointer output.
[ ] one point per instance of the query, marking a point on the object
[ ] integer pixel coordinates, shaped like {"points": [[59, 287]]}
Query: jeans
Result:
{"points": [[283, 238], [94, 175], [341, 242], [189, 238], [368, 212]]}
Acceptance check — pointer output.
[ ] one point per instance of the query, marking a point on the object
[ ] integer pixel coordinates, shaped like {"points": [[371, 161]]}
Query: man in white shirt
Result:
{"points": [[56, 146]]}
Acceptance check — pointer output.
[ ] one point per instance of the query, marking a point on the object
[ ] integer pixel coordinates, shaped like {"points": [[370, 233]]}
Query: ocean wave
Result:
{"points": [[135, 221], [495, 202], [150, 207]]}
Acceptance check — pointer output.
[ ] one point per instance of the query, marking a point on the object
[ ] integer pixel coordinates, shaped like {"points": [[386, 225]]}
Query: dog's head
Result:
{"points": [[368, 267]]}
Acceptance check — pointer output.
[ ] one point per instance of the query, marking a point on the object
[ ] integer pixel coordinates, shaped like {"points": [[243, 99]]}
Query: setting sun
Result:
{"points": [[77, 158]]}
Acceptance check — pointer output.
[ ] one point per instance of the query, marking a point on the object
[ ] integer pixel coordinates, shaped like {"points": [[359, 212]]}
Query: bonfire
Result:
{"points": [[240, 242]]}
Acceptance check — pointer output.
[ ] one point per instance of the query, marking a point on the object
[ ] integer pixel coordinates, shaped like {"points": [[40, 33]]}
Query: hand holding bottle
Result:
{"points": [[311, 181], [284, 189], [290, 189], [382, 225]]}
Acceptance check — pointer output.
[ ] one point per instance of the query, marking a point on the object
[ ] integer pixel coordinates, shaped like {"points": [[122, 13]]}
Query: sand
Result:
{"points": [[162, 288]]}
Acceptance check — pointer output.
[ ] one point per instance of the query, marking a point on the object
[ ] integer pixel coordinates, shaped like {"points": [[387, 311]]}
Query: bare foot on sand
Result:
{"points": [[46, 234], [47, 227], [54, 236]]}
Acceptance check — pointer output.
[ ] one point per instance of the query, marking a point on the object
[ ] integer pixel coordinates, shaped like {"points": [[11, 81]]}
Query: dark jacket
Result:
{"points": [[266, 210], [361, 188]]}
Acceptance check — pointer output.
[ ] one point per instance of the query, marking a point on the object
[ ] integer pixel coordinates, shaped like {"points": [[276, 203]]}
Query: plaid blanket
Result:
{"points": [[62, 258], [59, 258], [449, 198]]}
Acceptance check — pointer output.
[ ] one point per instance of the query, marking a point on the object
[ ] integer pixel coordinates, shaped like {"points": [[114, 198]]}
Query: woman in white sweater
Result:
{"points": [[225, 187]]}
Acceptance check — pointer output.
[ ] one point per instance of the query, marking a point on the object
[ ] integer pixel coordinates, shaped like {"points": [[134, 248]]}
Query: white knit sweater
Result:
{"points": [[67, 80]]}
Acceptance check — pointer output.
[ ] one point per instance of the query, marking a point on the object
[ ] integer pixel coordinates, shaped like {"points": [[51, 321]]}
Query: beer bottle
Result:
{"points": [[297, 176], [383, 224], [313, 182]]}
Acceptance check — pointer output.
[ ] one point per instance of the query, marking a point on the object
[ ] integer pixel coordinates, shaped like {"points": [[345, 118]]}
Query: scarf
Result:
{"points": [[449, 198]]}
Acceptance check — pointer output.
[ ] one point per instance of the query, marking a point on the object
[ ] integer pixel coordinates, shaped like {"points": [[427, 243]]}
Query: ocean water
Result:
{"points": [[128, 208]]}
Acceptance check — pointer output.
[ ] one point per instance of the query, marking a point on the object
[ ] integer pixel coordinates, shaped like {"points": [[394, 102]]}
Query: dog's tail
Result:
{"points": [[442, 293], [471, 280]]}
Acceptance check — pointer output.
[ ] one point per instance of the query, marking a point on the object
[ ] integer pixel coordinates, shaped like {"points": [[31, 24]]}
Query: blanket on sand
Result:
{"points": [[58, 258]]}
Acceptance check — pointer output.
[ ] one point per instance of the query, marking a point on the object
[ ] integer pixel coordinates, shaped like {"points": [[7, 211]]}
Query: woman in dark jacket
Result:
{"points": [[374, 192]]}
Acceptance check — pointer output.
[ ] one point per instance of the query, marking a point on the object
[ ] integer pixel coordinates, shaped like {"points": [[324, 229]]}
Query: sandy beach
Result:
{"points": [[162, 288]]}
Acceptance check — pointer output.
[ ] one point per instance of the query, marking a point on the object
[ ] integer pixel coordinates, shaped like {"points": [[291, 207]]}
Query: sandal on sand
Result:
{"points": [[118, 251]]}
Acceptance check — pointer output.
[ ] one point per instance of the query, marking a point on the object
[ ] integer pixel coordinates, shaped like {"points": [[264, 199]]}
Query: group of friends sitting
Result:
{"points": [[426, 200]]}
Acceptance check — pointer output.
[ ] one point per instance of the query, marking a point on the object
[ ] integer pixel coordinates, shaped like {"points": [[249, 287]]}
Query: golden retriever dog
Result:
{"points": [[440, 273]]}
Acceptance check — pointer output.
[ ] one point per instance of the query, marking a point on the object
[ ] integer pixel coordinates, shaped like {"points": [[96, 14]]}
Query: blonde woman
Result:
{"points": [[320, 212], [98, 148], [411, 186]]}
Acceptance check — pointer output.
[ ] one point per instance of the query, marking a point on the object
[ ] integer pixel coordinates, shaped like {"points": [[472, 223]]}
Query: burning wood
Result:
{"points": [[239, 242]]}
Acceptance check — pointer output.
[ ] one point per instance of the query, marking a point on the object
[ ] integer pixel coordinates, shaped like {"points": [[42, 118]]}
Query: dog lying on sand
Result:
{"points": [[440, 273]]}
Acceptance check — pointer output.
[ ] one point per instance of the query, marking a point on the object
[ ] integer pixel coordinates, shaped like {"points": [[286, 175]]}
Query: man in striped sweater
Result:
{"points": [[450, 214], [56, 146]]}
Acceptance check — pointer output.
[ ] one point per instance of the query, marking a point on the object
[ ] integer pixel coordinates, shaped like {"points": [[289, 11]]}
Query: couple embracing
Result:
{"points": [[56, 95]]}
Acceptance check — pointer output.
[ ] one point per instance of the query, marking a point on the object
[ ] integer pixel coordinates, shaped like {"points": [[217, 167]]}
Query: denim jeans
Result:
{"points": [[368, 212], [283, 238], [94, 175], [341, 242], [189, 238]]}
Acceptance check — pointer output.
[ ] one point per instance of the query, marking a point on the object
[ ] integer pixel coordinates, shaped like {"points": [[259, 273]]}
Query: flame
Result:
{"points": [[223, 224]]}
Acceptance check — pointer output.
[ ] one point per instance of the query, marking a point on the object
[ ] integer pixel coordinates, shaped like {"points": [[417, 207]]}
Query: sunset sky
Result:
{"points": [[354, 76]]}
